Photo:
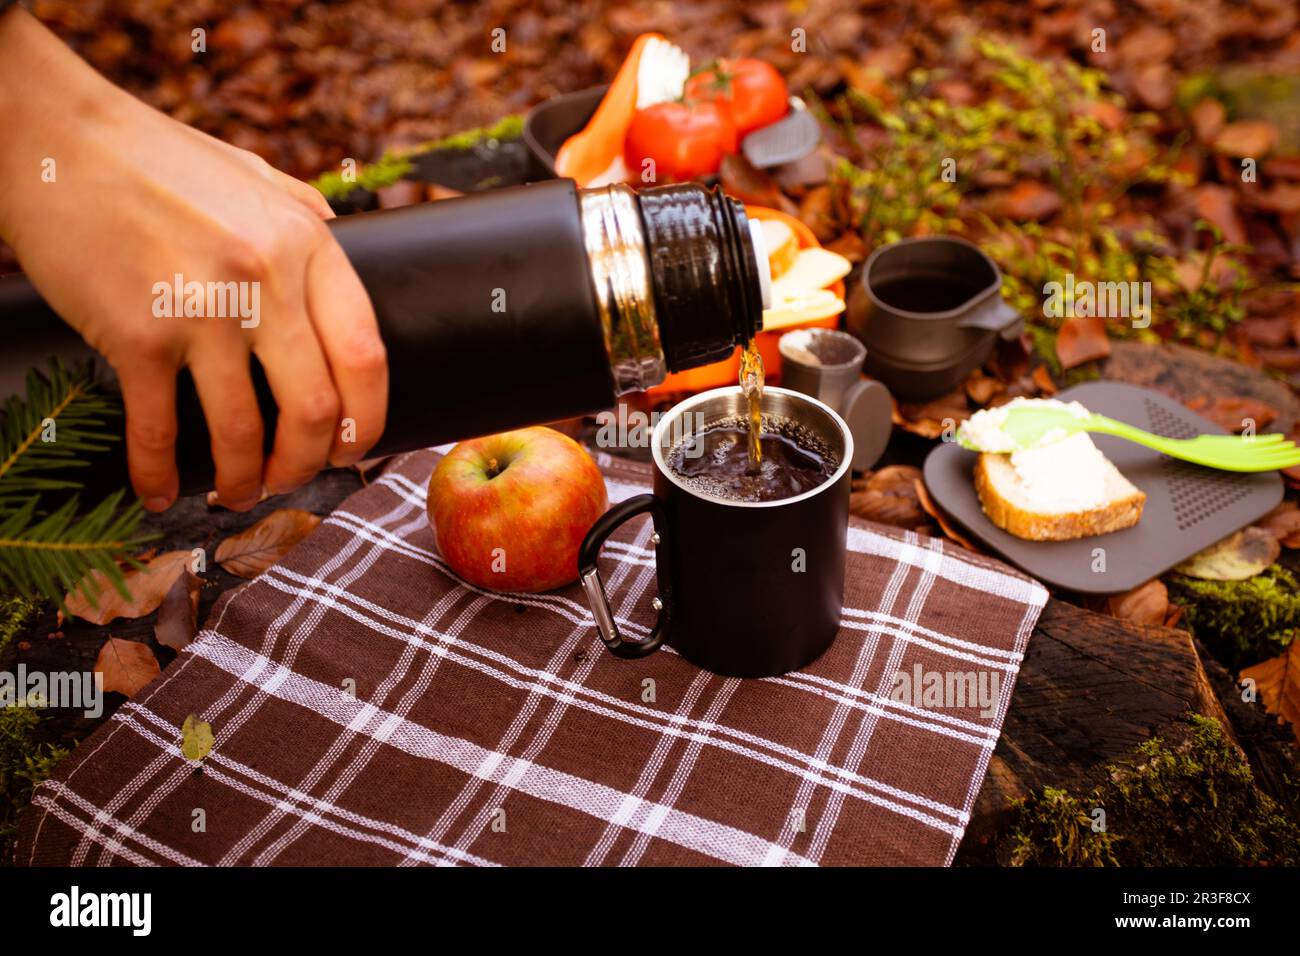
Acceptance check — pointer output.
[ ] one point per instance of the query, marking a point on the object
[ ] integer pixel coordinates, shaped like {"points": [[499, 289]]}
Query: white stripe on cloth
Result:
{"points": [[795, 762], [538, 694], [228, 727], [861, 540], [1004, 704], [867, 726], [340, 781], [839, 716], [654, 763], [45, 798], [313, 809], [580, 614], [683, 770], [709, 837]]}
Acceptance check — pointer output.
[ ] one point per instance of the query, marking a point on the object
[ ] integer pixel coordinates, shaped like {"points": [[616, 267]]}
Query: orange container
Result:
{"points": [[727, 371]]}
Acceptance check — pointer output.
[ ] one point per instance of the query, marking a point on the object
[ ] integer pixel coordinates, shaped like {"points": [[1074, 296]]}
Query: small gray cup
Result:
{"points": [[827, 364]]}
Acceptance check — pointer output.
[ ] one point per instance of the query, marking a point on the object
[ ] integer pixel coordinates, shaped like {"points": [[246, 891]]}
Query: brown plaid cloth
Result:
{"points": [[369, 708]]}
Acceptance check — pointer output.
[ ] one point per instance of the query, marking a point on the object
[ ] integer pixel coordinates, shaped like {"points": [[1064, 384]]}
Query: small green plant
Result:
{"points": [[396, 164], [24, 763], [44, 439], [911, 181]]}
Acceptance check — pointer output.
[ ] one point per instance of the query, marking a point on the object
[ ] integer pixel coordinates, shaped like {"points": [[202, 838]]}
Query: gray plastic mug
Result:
{"points": [[827, 364]]}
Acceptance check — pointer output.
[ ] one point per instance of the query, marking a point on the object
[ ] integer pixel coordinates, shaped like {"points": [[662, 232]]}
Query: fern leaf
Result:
{"points": [[60, 421], [53, 555]]}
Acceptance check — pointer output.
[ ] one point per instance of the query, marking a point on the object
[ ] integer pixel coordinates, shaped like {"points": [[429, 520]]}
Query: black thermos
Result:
{"points": [[519, 306]]}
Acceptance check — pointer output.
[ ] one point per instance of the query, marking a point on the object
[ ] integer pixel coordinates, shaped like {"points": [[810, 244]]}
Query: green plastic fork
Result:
{"points": [[1029, 425]]}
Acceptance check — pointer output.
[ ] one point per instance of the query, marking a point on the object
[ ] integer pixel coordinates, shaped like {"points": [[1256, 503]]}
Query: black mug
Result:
{"points": [[746, 589]]}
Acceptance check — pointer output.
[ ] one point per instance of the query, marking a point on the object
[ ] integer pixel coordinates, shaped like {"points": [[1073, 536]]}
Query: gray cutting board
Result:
{"points": [[1188, 507]]}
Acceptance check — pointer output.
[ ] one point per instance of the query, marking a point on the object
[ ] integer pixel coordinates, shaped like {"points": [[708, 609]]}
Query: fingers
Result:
{"points": [[305, 193], [306, 398], [234, 423], [149, 393], [349, 335]]}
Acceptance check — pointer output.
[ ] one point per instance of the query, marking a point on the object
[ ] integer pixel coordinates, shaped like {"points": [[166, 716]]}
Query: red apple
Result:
{"points": [[510, 510]]}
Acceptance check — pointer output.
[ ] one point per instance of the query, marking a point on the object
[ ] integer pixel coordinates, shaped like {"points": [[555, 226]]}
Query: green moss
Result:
{"points": [[15, 611], [395, 165], [1054, 829], [1191, 805], [24, 763], [1242, 622]]}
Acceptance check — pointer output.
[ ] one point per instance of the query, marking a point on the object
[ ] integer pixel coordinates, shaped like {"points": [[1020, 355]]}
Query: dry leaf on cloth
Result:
{"points": [[1278, 683], [196, 738], [126, 665], [147, 586], [253, 550]]}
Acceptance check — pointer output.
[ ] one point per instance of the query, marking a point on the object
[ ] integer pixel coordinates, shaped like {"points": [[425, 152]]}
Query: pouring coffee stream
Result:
{"points": [[513, 307]]}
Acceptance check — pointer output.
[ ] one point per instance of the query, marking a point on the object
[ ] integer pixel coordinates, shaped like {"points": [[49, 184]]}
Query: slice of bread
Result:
{"points": [[1059, 492]]}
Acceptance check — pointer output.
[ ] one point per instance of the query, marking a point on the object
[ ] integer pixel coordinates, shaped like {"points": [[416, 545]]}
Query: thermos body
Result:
{"points": [[510, 307], [490, 319]]}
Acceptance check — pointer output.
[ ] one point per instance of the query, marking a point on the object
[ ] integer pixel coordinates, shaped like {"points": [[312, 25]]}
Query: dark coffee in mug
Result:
{"points": [[927, 292], [716, 461], [781, 555]]}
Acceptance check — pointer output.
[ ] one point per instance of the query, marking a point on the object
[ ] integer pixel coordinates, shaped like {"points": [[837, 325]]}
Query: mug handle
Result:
{"points": [[588, 573], [995, 315]]}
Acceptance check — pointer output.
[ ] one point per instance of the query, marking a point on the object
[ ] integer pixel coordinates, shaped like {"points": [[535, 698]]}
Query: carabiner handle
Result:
{"points": [[589, 574]]}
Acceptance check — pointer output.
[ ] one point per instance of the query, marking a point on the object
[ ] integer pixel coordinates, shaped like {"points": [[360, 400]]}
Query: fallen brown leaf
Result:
{"points": [[750, 185], [1283, 199], [1145, 604], [948, 528], [1283, 523], [817, 212], [1273, 330], [1042, 377], [1218, 205], [147, 587], [1082, 339], [981, 387], [1025, 201], [126, 665], [1247, 138], [178, 616], [888, 496], [253, 550], [1234, 414], [1278, 682], [1154, 85], [930, 419], [1208, 116]]}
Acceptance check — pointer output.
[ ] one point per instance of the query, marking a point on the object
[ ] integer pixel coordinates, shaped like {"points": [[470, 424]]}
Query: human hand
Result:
{"points": [[138, 199]]}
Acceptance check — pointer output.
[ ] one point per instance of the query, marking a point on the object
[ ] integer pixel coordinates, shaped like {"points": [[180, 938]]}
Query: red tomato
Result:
{"points": [[685, 140], [752, 91]]}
